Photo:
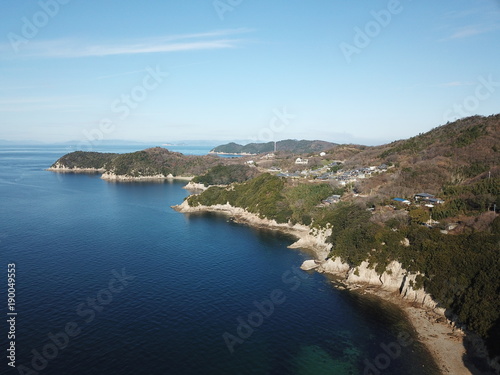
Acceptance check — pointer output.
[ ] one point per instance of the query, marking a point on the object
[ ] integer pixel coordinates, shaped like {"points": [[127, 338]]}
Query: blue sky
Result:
{"points": [[163, 71]]}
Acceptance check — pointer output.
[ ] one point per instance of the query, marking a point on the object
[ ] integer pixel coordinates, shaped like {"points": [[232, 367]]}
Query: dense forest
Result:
{"points": [[149, 162], [288, 145], [460, 270], [84, 159], [457, 254], [226, 174], [455, 246]]}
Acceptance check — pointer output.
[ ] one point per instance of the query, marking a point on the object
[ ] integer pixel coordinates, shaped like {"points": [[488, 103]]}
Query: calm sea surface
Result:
{"points": [[111, 280]]}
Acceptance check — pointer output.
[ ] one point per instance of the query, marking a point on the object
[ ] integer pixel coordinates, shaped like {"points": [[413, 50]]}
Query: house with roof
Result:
{"points": [[331, 200], [428, 198], [423, 196], [401, 200], [301, 161]]}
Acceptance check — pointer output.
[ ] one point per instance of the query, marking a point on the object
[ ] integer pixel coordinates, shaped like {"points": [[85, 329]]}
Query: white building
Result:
{"points": [[301, 161]]}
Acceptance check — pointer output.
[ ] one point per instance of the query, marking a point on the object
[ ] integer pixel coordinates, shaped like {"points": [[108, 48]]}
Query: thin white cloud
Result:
{"points": [[441, 85], [73, 48], [470, 30], [121, 74], [26, 104], [454, 84], [471, 22]]}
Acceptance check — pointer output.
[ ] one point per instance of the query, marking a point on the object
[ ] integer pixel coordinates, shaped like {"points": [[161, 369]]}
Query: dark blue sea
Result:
{"points": [[110, 280]]}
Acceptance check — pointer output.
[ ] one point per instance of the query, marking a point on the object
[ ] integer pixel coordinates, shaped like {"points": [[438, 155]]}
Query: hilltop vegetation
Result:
{"points": [[226, 174], [461, 271], [82, 159], [155, 161], [270, 197], [451, 154], [149, 162], [289, 145], [459, 162]]}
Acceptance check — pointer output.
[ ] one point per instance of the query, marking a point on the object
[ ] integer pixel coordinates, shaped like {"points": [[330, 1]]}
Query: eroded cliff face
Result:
{"points": [[111, 176], [394, 279], [307, 238], [194, 186], [60, 167], [315, 240]]}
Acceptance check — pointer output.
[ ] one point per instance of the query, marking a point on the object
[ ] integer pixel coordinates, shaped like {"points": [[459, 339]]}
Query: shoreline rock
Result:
{"points": [[307, 239], [109, 176], [195, 186], [61, 169], [441, 337]]}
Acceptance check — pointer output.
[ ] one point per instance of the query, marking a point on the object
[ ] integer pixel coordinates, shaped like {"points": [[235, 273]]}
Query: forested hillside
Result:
{"points": [[455, 245]]}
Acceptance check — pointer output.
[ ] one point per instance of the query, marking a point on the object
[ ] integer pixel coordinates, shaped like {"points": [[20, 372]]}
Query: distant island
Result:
{"points": [[416, 218], [289, 145], [149, 164]]}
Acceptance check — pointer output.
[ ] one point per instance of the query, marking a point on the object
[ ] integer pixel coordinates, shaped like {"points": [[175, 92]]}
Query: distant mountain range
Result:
{"points": [[288, 145]]}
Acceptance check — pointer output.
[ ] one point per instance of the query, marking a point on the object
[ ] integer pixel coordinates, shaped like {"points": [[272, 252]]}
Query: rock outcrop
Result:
{"points": [[394, 279], [110, 176], [307, 238], [59, 167], [194, 186]]}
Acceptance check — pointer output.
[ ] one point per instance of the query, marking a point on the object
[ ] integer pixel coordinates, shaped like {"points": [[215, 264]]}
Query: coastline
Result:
{"points": [[75, 170], [108, 176], [440, 336]]}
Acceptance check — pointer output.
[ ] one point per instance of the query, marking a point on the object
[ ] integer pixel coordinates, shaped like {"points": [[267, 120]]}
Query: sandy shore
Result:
{"points": [[444, 342]]}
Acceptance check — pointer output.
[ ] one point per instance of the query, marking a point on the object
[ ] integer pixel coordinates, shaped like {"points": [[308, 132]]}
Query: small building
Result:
{"points": [[428, 198], [331, 200], [322, 154], [424, 196], [268, 156], [435, 201], [301, 161], [401, 200]]}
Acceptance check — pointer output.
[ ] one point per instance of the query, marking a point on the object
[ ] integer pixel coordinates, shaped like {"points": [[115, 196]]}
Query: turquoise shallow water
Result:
{"points": [[147, 290]]}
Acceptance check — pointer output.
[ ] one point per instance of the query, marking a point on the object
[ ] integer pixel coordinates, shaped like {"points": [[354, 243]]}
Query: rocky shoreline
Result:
{"points": [[110, 176], [442, 338], [61, 169]]}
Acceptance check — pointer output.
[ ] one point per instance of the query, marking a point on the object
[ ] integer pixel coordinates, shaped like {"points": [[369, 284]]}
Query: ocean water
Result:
{"points": [[111, 280]]}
